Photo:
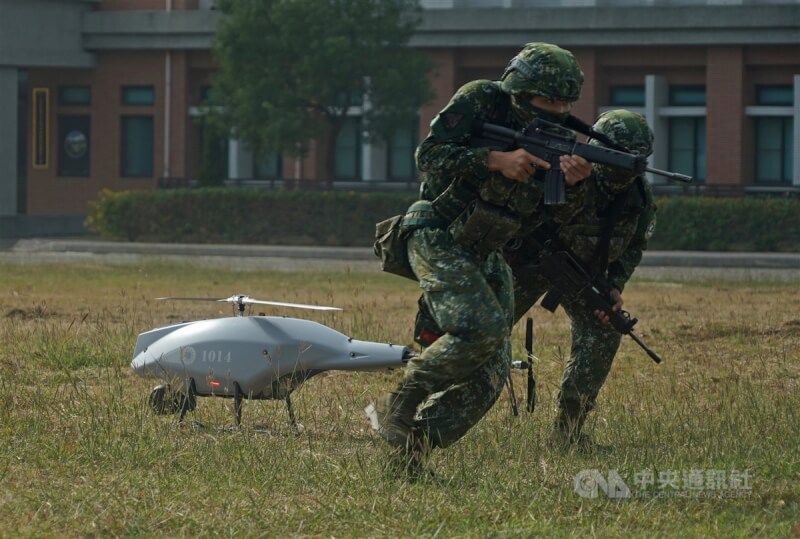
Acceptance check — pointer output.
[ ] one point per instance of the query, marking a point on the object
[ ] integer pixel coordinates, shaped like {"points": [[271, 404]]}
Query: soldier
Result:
{"points": [[608, 235], [473, 200]]}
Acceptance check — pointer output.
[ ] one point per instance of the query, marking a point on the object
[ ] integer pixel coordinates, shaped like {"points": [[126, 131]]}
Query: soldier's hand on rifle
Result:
{"points": [[575, 169], [517, 165], [616, 297]]}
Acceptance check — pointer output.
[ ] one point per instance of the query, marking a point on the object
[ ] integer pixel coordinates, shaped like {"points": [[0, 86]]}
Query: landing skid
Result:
{"points": [[189, 399]]}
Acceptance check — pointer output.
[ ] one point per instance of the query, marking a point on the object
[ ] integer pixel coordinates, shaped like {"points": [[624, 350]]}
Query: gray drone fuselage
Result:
{"points": [[267, 356]]}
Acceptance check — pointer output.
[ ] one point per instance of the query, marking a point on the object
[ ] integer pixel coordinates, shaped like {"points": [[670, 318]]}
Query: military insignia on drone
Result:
{"points": [[650, 229], [451, 119]]}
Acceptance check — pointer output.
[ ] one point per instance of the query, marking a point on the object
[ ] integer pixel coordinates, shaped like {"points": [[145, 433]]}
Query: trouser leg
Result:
{"points": [[594, 346]]}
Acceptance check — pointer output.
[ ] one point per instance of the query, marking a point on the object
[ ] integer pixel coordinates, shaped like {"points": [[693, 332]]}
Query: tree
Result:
{"points": [[290, 69]]}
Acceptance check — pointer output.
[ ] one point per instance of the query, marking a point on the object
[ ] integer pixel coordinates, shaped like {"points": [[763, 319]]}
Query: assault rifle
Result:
{"points": [[569, 278], [550, 141]]}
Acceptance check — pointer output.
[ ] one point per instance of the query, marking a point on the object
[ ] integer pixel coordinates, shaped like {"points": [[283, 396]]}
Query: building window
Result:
{"points": [[627, 96], [74, 145], [138, 96], [774, 160], [74, 95], [267, 166], [687, 96], [775, 96], [137, 147], [347, 156], [687, 146], [401, 146]]}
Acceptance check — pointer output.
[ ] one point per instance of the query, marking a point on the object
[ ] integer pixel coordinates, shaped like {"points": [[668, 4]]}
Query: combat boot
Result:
{"points": [[393, 415], [409, 463], [567, 433]]}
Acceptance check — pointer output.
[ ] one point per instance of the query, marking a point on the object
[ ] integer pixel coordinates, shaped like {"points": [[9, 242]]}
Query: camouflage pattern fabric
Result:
{"points": [[470, 298], [455, 173], [544, 69], [594, 344], [628, 237], [630, 130]]}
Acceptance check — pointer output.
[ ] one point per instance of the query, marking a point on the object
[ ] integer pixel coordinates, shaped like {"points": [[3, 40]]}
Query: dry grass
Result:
{"points": [[80, 453]]}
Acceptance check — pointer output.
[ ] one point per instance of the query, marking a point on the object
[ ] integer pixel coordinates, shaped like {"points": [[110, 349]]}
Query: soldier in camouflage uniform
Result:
{"points": [[473, 200], [623, 204]]}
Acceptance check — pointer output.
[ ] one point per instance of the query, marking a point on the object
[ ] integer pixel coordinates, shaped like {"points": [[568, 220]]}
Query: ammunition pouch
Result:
{"points": [[391, 237], [484, 227], [390, 247]]}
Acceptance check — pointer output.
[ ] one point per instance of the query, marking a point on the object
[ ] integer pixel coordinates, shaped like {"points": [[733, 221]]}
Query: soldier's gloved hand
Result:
{"points": [[575, 168], [516, 165], [616, 297]]}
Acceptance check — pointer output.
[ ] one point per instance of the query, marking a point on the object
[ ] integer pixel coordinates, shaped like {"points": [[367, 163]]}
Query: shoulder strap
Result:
{"points": [[501, 109], [617, 204]]}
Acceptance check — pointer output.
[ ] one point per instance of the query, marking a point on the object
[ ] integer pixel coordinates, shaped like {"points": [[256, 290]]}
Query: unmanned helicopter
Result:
{"points": [[249, 357]]}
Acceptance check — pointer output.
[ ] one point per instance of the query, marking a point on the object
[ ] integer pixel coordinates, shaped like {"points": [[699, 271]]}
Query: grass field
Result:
{"points": [[706, 442]]}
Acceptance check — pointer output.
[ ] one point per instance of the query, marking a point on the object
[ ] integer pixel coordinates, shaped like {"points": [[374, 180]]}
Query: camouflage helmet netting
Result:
{"points": [[628, 129], [546, 70]]}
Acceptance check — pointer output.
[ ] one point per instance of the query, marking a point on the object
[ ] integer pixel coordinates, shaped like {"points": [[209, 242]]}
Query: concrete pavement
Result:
{"points": [[651, 258]]}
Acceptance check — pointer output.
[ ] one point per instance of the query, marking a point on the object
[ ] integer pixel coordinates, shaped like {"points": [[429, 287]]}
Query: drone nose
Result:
{"points": [[139, 364]]}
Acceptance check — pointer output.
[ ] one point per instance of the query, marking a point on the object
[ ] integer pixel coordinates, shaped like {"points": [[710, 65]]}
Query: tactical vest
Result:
{"points": [[510, 206], [583, 234]]}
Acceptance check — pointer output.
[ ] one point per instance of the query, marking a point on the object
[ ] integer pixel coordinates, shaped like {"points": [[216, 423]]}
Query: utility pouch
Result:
{"points": [[390, 246], [484, 227]]}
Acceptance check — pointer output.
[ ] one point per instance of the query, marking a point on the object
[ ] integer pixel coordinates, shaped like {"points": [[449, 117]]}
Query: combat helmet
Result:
{"points": [[629, 130], [546, 70]]}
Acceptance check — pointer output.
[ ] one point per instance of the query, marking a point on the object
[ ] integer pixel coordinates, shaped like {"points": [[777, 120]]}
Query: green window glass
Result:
{"points": [[687, 146], [137, 147], [627, 96], [401, 148], [138, 96], [774, 160], [74, 95], [775, 96], [687, 96], [267, 166], [347, 155]]}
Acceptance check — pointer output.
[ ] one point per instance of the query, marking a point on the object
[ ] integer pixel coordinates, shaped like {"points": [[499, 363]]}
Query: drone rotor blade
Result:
{"points": [[295, 305], [188, 299], [247, 300]]}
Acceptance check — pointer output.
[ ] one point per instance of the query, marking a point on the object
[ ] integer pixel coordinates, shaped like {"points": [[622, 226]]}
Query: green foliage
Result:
{"points": [[348, 218], [244, 216], [290, 69], [727, 224], [214, 165]]}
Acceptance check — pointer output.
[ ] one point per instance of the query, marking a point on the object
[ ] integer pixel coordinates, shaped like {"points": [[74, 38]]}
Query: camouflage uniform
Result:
{"points": [[465, 281], [594, 344]]}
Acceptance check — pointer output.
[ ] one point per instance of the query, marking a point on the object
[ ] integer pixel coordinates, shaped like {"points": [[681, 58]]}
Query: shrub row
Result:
{"points": [[219, 215], [727, 224]]}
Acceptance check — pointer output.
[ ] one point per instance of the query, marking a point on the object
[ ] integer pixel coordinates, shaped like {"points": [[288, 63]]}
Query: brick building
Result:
{"points": [[109, 93]]}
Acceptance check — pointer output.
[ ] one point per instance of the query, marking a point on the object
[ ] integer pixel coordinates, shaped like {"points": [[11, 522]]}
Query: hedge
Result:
{"points": [[230, 215], [727, 224], [225, 215]]}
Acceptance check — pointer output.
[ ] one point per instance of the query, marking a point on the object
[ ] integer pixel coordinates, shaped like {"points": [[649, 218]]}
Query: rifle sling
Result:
{"points": [[601, 254]]}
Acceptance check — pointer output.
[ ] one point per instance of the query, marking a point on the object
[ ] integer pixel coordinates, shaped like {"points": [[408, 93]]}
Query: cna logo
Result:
{"points": [[589, 483]]}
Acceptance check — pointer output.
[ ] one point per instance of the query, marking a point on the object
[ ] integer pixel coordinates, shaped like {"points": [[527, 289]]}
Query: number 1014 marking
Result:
{"points": [[216, 356]]}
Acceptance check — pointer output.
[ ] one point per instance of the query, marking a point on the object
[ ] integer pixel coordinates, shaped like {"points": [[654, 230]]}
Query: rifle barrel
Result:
{"points": [[683, 178], [646, 348]]}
